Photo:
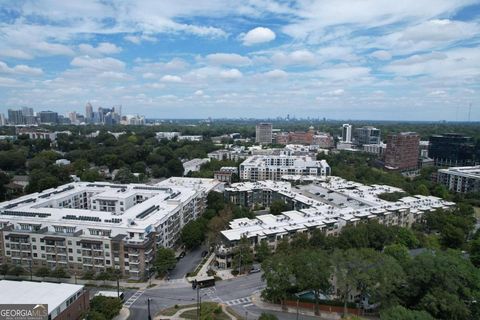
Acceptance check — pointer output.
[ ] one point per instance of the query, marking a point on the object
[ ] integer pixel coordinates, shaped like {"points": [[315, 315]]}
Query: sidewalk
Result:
{"points": [[123, 315]]}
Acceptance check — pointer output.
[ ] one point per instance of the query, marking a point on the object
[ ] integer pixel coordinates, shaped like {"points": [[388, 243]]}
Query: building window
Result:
{"points": [[34, 239]]}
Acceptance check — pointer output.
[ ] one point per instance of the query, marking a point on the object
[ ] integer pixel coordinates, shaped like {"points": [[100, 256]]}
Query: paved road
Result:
{"points": [[187, 263], [236, 290]]}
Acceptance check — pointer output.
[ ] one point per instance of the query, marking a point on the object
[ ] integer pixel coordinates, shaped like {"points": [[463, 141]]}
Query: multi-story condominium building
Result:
{"points": [[367, 135], [402, 151], [223, 154], [167, 135], [378, 149], [453, 149], [263, 133], [347, 133], [273, 167], [225, 174], [460, 179], [83, 226], [48, 117], [15, 117], [327, 206]]}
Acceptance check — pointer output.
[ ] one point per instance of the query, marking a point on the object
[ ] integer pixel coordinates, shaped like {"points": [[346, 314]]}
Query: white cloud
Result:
{"points": [[149, 75], [100, 49], [137, 39], [336, 92], [20, 70], [381, 55], [15, 53], [228, 59], [232, 74], [297, 57], [258, 35], [170, 78], [336, 53], [199, 93], [276, 74], [52, 48], [109, 64]]}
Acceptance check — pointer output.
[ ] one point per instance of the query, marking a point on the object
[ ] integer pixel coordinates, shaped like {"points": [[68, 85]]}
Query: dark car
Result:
{"points": [[204, 253], [182, 254]]}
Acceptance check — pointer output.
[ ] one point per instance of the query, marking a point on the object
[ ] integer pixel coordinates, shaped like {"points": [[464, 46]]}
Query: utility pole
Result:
{"points": [[297, 308], [149, 315], [198, 302]]}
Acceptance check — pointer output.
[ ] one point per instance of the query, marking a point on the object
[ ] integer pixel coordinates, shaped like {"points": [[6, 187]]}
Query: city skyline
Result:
{"points": [[364, 60]]}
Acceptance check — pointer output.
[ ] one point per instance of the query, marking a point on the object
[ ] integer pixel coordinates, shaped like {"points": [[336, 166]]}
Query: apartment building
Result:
{"points": [[402, 151], [460, 179], [327, 206], [85, 226], [263, 133], [273, 167]]}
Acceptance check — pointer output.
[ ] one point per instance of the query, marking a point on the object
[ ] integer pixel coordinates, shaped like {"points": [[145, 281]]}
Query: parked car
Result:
{"points": [[254, 270], [204, 253]]}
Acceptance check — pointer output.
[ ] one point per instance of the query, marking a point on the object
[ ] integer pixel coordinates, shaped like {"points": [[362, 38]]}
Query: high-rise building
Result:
{"points": [[27, 111], [263, 133], [347, 133], [402, 151], [88, 113], [3, 120], [367, 135], [48, 117], [15, 117], [452, 149]]}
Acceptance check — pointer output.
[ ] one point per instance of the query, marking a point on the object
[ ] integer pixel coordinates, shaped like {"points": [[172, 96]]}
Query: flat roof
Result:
{"points": [[29, 292]]}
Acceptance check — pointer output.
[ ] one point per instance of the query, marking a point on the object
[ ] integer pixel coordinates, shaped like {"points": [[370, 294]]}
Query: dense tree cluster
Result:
{"points": [[376, 264]]}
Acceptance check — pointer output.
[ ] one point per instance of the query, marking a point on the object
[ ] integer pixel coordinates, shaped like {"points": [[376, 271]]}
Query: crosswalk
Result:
{"points": [[235, 302], [132, 299]]}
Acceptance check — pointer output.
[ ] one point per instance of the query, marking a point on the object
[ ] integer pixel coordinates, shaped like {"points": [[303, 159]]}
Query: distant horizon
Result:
{"points": [[408, 60]]}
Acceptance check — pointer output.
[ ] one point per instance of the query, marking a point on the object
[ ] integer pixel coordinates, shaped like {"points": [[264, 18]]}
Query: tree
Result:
{"points": [[164, 260], [401, 313], [42, 272], [107, 307], [16, 271], [475, 252], [262, 250], [193, 234], [124, 175], [444, 284], [398, 252], [175, 168], [277, 207], [278, 273], [370, 272], [4, 269], [59, 273], [242, 256], [312, 271], [267, 316]]}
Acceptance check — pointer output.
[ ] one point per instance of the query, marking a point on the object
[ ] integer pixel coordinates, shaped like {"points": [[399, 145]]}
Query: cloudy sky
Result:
{"points": [[358, 59]]}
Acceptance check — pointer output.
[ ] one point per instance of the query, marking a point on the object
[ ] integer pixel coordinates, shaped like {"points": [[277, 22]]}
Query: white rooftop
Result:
{"points": [[327, 202], [27, 292], [54, 207]]}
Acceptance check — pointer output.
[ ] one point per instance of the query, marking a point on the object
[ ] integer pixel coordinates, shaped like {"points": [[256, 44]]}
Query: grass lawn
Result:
{"points": [[172, 310], [477, 212], [210, 310]]}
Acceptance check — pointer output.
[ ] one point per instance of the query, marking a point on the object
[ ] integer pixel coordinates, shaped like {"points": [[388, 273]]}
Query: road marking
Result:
{"points": [[248, 305], [238, 301], [133, 298]]}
